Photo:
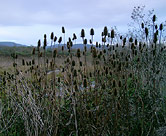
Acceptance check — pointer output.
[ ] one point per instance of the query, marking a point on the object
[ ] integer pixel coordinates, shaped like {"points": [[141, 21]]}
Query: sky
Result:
{"points": [[26, 21]]}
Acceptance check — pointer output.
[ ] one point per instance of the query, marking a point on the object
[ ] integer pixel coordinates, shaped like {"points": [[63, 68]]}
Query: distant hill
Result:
{"points": [[75, 46], [10, 44]]}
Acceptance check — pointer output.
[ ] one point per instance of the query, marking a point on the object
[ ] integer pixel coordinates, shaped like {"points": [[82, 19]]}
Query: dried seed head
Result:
{"points": [[52, 36], [130, 39], [97, 44], [82, 33], [74, 36], [60, 40], [105, 31], [121, 37], [155, 38], [115, 92], [85, 41], [142, 25], [161, 27], [130, 75], [63, 29], [106, 71], [59, 79], [90, 74], [23, 62], [55, 38], [136, 42], [112, 33], [92, 31], [146, 32], [33, 62], [78, 53], [114, 84], [124, 41], [45, 36], [85, 83], [39, 43], [73, 63], [90, 41], [156, 27], [80, 63], [75, 73], [154, 18], [110, 73]]}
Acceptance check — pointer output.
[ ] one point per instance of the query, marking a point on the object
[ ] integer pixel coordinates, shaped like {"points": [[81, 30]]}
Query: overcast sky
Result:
{"points": [[26, 21]]}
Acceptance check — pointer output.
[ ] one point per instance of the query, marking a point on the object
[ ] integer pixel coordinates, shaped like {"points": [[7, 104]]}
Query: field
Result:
{"points": [[117, 87]]}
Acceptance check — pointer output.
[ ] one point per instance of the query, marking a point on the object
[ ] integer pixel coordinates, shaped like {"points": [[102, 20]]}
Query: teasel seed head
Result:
{"points": [[33, 62], [85, 83], [78, 53], [60, 40], [154, 18], [82, 33], [38, 44], [45, 43], [106, 71], [92, 32], [146, 32], [161, 27], [130, 39], [90, 74], [136, 42], [110, 73], [55, 38], [114, 84], [81, 63], [130, 75], [105, 31], [74, 36], [156, 27], [155, 38], [52, 36], [112, 33], [97, 44], [142, 25], [75, 73], [124, 41], [115, 92], [23, 62], [63, 29], [59, 79]]}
